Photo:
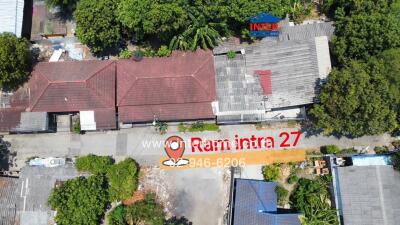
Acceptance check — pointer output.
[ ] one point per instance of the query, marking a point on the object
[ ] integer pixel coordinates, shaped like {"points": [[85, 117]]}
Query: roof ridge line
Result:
{"points": [[98, 71], [37, 100], [167, 103], [95, 91], [197, 80]]}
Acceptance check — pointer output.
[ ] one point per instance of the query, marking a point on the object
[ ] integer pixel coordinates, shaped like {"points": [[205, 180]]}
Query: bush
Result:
{"points": [[271, 172], [282, 194], [117, 216], [79, 201], [163, 51], [293, 179], [146, 211], [396, 144], [396, 161], [182, 127], [381, 149], [77, 127], [94, 164], [329, 149], [125, 54], [161, 127], [231, 54], [122, 179], [347, 151], [201, 126]]}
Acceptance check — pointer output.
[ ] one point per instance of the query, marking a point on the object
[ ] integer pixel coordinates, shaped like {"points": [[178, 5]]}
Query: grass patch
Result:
{"points": [[198, 127]]}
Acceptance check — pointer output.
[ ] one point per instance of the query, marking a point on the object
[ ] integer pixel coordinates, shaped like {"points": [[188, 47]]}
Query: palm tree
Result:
{"points": [[199, 33]]}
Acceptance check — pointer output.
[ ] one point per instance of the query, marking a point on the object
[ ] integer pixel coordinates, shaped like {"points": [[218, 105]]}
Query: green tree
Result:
{"points": [[391, 70], [364, 28], [282, 194], [66, 6], [355, 101], [396, 161], [15, 61], [97, 26], [80, 201], [271, 172], [330, 149], [117, 216], [145, 212], [160, 18], [122, 179], [94, 164]]}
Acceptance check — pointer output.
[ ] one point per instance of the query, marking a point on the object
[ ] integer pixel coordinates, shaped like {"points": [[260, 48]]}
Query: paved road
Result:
{"points": [[145, 145]]}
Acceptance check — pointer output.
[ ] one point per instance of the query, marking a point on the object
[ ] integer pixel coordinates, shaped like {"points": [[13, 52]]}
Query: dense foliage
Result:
{"points": [[66, 6], [181, 24], [364, 28], [271, 172], [396, 161], [122, 179], [330, 149], [310, 197], [15, 61], [282, 194], [355, 101], [97, 26], [145, 212], [80, 201], [94, 164]]}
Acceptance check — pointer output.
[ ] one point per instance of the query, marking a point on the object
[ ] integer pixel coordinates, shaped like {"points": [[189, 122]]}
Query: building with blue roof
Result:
{"points": [[255, 203]]}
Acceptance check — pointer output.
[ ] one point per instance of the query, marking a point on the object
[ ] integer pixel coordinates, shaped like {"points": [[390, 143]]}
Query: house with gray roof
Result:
{"points": [[274, 78], [366, 189]]}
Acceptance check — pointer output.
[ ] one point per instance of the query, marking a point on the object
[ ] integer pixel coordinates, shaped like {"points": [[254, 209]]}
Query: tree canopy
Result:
{"points": [[310, 197], [122, 179], [94, 164], [355, 101], [364, 28], [97, 26], [145, 212], [80, 201], [15, 61]]}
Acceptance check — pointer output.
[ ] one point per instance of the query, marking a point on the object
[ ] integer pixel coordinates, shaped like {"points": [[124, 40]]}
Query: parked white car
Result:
{"points": [[47, 162]]}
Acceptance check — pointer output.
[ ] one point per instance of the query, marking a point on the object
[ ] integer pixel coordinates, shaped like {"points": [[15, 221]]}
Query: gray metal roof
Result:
{"points": [[369, 195], [11, 16], [35, 188], [307, 31], [8, 200], [295, 74], [255, 203]]}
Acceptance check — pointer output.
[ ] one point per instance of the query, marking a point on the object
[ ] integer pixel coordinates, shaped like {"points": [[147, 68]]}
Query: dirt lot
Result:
{"points": [[200, 195]]}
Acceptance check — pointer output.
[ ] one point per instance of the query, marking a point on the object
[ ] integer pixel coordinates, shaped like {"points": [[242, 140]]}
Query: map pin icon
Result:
{"points": [[174, 147]]}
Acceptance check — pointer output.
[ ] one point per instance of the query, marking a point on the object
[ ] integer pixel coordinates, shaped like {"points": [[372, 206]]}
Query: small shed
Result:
{"points": [[87, 120]]}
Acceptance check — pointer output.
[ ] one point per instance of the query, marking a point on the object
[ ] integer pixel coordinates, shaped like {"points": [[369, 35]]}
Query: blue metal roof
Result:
{"points": [[264, 17], [255, 203]]}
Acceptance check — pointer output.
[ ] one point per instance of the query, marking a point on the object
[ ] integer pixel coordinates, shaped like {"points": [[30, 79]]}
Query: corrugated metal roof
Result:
{"points": [[11, 16]]}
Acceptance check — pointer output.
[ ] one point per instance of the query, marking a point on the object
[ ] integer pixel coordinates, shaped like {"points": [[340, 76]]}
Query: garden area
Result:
{"points": [[299, 189], [108, 192]]}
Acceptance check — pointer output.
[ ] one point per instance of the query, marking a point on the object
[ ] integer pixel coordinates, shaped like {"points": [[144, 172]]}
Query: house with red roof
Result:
{"points": [[177, 88]]}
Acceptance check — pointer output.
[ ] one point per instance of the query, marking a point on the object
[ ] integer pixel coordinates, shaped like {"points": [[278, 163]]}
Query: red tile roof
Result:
{"points": [[10, 118], [265, 80], [180, 87], [75, 86], [72, 86]]}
